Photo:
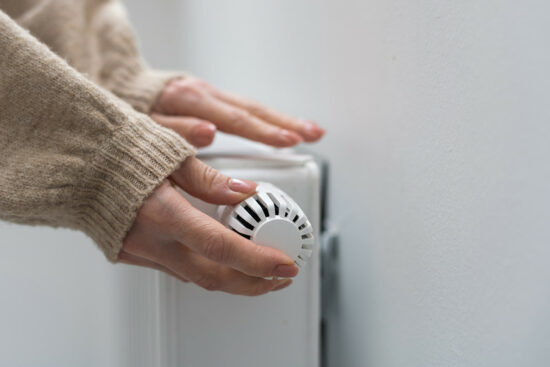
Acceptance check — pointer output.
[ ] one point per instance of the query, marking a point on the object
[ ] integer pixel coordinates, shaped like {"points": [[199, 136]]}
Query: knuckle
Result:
{"points": [[216, 247], [263, 267], [189, 90], [209, 177], [238, 118], [198, 83], [259, 110]]}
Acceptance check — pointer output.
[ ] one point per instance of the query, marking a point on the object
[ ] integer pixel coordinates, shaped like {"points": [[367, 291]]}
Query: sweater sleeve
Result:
{"points": [[72, 154], [122, 69]]}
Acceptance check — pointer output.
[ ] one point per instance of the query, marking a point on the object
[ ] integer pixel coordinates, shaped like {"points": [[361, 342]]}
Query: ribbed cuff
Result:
{"points": [[125, 171], [142, 88]]}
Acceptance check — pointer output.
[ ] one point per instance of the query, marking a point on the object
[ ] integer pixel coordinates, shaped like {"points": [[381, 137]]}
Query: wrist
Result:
{"points": [[124, 172]]}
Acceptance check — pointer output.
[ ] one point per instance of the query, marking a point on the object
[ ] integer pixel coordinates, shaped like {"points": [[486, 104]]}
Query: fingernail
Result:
{"points": [[311, 130], [289, 138], [285, 271], [203, 134], [209, 127], [242, 186], [282, 284]]}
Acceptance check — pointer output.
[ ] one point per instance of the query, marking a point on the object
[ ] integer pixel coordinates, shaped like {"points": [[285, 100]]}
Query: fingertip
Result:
{"points": [[311, 131], [203, 134], [236, 190], [287, 138], [242, 186], [285, 271]]}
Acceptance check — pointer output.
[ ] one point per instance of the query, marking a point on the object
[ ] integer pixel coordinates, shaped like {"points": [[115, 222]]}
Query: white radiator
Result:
{"points": [[196, 328]]}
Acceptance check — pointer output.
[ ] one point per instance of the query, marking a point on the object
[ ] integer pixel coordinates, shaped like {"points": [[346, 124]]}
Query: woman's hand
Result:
{"points": [[172, 236], [195, 110]]}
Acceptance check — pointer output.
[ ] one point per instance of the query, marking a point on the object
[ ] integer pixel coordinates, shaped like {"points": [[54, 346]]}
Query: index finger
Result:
{"points": [[211, 239], [309, 130]]}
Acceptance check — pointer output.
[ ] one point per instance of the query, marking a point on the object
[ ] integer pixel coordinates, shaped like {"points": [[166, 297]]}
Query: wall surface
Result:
{"points": [[438, 116]]}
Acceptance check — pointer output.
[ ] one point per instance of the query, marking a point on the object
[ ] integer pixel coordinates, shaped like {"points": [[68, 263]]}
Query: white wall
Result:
{"points": [[159, 31], [438, 117]]}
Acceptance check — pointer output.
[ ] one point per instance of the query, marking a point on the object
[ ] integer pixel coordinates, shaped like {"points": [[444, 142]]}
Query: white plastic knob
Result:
{"points": [[271, 218]]}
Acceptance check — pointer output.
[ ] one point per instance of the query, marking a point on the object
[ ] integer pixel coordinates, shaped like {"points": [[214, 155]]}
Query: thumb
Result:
{"points": [[204, 182]]}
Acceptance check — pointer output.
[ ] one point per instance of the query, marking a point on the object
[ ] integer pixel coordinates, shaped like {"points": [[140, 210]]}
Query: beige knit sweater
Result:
{"points": [[72, 152]]}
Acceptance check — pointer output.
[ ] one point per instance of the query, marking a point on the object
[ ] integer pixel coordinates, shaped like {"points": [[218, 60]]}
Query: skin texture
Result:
{"points": [[170, 235], [196, 110]]}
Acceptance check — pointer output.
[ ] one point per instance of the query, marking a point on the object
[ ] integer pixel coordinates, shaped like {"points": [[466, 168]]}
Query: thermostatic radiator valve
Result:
{"points": [[271, 218]]}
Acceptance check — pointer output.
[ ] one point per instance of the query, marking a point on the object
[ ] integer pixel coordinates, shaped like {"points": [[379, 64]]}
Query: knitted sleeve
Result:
{"points": [[122, 70], [72, 154]]}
